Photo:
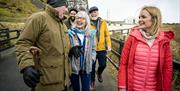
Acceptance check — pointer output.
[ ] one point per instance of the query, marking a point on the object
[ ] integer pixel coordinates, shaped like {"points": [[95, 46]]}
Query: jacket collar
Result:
{"points": [[53, 13], [98, 19], [137, 34], [162, 36]]}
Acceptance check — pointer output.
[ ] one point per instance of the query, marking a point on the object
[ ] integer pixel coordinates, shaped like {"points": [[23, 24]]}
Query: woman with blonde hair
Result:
{"points": [[146, 59], [84, 44]]}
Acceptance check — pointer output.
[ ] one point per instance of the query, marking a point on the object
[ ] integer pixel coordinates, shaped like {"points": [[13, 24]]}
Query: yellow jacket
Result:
{"points": [[102, 35]]}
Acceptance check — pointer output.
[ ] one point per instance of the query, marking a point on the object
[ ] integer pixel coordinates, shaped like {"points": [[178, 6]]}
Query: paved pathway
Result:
{"points": [[11, 79]]}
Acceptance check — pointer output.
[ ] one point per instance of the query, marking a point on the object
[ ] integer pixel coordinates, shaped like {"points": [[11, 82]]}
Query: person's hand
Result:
{"points": [[31, 76], [122, 89], [75, 51], [35, 50], [108, 49]]}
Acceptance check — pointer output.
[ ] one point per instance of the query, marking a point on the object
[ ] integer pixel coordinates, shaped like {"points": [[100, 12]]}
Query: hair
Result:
{"points": [[84, 15], [156, 18], [73, 9]]}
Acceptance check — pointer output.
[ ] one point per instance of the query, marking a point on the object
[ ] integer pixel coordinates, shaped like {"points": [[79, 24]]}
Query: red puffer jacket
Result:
{"points": [[164, 70], [145, 66]]}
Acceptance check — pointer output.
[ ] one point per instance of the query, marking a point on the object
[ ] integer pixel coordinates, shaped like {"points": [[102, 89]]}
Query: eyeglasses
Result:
{"points": [[81, 18]]}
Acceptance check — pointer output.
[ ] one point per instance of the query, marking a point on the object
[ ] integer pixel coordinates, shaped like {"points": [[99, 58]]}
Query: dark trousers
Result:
{"points": [[101, 57], [85, 81], [65, 89]]}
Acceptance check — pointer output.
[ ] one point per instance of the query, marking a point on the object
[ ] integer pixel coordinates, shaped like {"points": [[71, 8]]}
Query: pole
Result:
{"points": [[35, 52]]}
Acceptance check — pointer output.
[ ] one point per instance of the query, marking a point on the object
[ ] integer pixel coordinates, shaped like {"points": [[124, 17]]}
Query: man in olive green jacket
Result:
{"points": [[46, 31]]}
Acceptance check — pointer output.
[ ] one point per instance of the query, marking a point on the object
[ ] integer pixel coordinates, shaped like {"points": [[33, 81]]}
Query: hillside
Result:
{"points": [[16, 10]]}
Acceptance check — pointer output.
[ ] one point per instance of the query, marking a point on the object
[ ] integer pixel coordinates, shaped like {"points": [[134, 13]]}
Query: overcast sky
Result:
{"points": [[122, 9]]}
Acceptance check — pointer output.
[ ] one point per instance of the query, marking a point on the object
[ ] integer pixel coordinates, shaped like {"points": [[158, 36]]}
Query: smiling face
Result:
{"points": [[72, 13], [150, 20], [145, 20], [94, 15], [80, 22]]}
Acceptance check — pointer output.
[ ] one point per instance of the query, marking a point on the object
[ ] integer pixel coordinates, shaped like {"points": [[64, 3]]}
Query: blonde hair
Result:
{"points": [[156, 18]]}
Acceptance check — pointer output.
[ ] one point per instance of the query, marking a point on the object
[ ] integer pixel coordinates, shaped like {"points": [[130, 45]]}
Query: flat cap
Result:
{"points": [[57, 3], [94, 8]]}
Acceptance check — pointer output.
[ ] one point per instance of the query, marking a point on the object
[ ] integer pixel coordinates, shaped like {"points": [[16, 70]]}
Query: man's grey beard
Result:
{"points": [[94, 18], [61, 16]]}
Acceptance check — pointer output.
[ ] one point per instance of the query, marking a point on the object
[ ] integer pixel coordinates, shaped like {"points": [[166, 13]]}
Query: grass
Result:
{"points": [[175, 44], [4, 12], [14, 10]]}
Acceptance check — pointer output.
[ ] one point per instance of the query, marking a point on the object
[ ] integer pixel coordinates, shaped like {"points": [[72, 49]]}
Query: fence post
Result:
{"points": [[4, 34], [121, 44], [0, 55], [8, 37], [127, 31], [121, 31]]}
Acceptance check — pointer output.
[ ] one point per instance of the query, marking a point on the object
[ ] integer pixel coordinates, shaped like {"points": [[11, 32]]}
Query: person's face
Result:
{"points": [[72, 13], [61, 11], [145, 20], [94, 15], [80, 22]]}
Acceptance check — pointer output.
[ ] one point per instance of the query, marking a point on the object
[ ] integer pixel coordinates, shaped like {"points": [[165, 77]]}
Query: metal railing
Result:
{"points": [[5, 38], [123, 31]]}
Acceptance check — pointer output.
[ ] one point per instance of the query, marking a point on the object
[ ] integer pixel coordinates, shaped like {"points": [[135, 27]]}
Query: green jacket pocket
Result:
{"points": [[53, 72]]}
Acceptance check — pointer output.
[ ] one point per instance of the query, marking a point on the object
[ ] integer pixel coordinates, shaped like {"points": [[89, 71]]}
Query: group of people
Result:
{"points": [[68, 49]]}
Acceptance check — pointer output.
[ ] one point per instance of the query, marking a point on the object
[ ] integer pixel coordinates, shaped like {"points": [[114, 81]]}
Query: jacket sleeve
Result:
{"points": [[27, 39], [107, 36], [167, 69], [122, 73]]}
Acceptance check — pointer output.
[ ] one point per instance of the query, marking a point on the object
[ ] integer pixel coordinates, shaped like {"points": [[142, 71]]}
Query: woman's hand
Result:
{"points": [[122, 89], [75, 51]]}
